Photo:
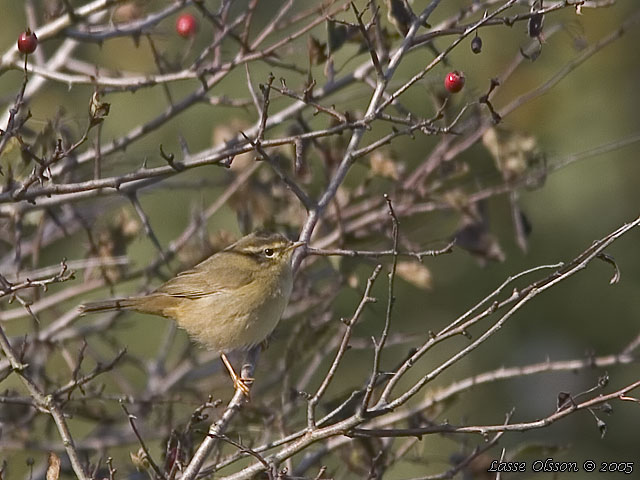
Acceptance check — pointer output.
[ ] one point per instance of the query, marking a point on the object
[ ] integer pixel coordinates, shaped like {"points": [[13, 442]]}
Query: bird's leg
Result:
{"points": [[239, 383]]}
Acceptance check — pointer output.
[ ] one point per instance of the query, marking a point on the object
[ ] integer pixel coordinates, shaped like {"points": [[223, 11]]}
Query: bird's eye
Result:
{"points": [[268, 252]]}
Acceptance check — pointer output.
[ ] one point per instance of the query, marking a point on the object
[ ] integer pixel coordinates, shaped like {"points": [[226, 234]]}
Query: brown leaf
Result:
{"points": [[399, 15], [383, 165], [415, 273], [53, 470], [476, 239], [140, 460], [316, 51], [98, 110], [128, 12], [228, 133], [513, 152]]}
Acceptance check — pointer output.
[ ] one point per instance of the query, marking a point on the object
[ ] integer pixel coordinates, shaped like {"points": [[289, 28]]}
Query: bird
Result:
{"points": [[230, 301]]}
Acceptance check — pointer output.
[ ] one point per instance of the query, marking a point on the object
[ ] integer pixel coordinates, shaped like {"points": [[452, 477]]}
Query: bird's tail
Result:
{"points": [[109, 305]]}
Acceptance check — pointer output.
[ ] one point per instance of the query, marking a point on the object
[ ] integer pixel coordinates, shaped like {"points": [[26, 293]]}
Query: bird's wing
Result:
{"points": [[204, 279]]}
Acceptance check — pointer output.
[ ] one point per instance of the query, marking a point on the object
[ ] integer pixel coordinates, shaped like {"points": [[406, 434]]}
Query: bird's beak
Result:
{"points": [[295, 245]]}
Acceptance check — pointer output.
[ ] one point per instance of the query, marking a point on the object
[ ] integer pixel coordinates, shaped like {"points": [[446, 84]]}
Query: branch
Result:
{"points": [[218, 428], [483, 430], [45, 403]]}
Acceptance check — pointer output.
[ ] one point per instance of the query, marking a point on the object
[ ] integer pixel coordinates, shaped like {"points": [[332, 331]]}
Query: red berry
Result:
{"points": [[186, 25], [27, 42], [454, 81]]}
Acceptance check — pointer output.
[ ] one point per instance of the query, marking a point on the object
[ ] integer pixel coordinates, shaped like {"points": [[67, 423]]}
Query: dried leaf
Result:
{"points": [[399, 15], [300, 151], [98, 110], [514, 152], [415, 273], [521, 223], [602, 426], [383, 165], [112, 240], [14, 164], [490, 141], [457, 199], [534, 27], [564, 400], [329, 69], [140, 460], [53, 470], [316, 51], [616, 270], [227, 133], [475, 237], [127, 12]]}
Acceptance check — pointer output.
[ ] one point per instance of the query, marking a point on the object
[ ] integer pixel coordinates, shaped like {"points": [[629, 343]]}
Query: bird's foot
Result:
{"points": [[243, 384], [239, 383]]}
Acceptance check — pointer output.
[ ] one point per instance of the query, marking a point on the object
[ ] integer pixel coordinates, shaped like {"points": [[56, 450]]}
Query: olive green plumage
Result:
{"points": [[231, 300]]}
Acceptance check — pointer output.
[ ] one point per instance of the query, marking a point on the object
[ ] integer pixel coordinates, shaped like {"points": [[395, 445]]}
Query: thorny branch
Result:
{"points": [[298, 442]]}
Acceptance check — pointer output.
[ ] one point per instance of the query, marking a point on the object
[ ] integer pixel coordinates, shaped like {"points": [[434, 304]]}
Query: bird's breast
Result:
{"points": [[237, 319]]}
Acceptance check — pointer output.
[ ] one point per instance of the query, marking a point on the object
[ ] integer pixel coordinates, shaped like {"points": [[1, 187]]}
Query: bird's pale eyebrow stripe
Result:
{"points": [[252, 250], [256, 252]]}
